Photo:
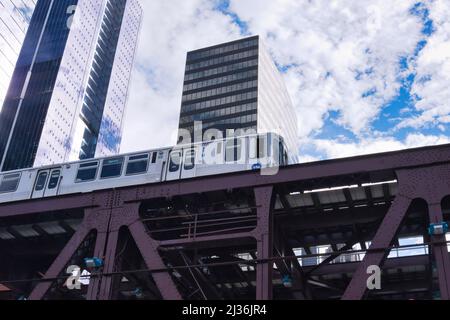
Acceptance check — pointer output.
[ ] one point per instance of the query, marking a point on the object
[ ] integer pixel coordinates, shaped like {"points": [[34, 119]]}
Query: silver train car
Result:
{"points": [[252, 152]]}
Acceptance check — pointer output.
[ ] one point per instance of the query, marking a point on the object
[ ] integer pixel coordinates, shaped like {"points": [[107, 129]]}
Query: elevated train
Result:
{"points": [[251, 152]]}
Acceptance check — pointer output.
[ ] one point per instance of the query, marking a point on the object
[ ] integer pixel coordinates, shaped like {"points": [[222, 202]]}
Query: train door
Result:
{"points": [[175, 164], [189, 163], [47, 183]]}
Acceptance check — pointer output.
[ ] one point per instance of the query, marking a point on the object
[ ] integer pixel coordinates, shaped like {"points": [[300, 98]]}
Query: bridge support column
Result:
{"points": [[264, 239], [440, 252], [383, 238], [127, 214], [105, 292], [94, 284]]}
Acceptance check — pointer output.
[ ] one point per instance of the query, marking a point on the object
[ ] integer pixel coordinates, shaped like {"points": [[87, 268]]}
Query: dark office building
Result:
{"points": [[236, 85]]}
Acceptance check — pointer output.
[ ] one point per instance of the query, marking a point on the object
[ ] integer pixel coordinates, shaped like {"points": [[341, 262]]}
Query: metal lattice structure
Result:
{"points": [[309, 232]]}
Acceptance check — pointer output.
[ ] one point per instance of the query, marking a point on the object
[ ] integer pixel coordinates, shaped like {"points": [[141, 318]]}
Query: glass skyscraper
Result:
{"points": [[236, 85], [15, 17], [69, 89]]}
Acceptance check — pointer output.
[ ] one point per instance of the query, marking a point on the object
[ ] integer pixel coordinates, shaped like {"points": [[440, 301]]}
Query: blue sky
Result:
{"points": [[364, 76]]}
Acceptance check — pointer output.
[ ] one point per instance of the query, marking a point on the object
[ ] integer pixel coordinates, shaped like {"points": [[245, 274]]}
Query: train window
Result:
{"points": [[229, 150], [219, 147], [233, 150], [175, 160], [282, 154], [41, 180], [112, 168], [238, 149], [252, 147], [137, 164], [270, 141], [54, 179], [87, 172], [262, 146], [10, 182], [189, 160], [155, 155]]}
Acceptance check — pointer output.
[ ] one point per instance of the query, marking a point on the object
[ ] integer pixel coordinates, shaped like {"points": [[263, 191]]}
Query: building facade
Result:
{"points": [[69, 90], [15, 16], [235, 86]]}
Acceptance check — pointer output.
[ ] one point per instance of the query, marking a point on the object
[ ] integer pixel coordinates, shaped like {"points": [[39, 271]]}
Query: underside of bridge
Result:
{"points": [[309, 232]]}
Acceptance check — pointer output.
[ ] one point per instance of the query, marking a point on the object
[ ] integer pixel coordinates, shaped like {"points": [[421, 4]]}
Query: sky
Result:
{"points": [[364, 76]]}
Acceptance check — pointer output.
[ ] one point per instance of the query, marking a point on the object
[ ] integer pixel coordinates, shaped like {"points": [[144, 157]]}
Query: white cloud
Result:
{"points": [[341, 50], [169, 30], [335, 149], [432, 67], [303, 158]]}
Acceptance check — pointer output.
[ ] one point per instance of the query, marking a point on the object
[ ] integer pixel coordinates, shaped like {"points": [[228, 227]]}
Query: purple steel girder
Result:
{"points": [[107, 222], [339, 268], [264, 230], [382, 239], [421, 173], [95, 219], [431, 184]]}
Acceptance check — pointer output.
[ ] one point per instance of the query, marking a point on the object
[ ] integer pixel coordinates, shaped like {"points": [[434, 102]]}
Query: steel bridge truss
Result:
{"points": [[309, 232]]}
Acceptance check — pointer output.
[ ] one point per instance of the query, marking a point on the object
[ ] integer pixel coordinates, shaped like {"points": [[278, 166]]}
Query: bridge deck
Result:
{"points": [[308, 232]]}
